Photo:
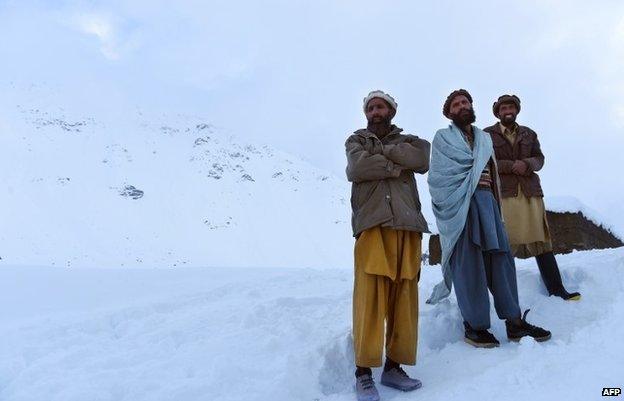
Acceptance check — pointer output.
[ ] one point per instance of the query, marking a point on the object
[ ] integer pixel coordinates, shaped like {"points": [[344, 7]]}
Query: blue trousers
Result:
{"points": [[481, 259]]}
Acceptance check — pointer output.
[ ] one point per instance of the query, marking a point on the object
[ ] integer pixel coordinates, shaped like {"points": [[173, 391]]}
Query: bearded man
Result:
{"points": [[388, 226], [519, 157], [463, 182]]}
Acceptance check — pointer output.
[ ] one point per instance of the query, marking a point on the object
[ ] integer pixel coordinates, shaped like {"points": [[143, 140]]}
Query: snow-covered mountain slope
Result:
{"points": [[137, 189], [283, 334], [124, 187]]}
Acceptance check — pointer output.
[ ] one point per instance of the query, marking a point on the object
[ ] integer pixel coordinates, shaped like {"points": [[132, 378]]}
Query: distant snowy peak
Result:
{"points": [[40, 119], [221, 158], [216, 154]]}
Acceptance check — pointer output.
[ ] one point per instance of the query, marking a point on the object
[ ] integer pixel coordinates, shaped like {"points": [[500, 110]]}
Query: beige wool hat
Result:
{"points": [[381, 95]]}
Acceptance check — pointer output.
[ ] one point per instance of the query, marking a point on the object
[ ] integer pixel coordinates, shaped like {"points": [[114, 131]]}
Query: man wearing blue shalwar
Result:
{"points": [[464, 186]]}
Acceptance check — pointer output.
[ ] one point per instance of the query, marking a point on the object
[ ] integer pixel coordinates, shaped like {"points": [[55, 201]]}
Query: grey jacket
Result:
{"points": [[384, 188]]}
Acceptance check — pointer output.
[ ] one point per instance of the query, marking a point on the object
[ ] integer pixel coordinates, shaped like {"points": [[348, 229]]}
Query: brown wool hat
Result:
{"points": [[505, 99], [447, 104]]}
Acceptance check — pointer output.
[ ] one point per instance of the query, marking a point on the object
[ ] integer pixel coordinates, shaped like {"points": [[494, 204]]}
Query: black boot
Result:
{"points": [[552, 278], [390, 364], [362, 370], [479, 338], [521, 328]]}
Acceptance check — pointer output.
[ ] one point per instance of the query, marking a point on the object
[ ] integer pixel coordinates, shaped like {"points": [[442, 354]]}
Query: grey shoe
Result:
{"points": [[365, 388], [397, 378]]}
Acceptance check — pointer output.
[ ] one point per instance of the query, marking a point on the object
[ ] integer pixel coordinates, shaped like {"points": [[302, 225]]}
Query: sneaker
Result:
{"points": [[516, 332], [365, 388], [479, 338], [398, 379]]}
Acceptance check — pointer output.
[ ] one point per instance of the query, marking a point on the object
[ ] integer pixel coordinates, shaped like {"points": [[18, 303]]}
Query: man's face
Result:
{"points": [[378, 111], [507, 113], [461, 111]]}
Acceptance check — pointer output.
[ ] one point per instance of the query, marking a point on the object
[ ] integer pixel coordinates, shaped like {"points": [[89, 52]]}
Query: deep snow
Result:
{"points": [[283, 334]]}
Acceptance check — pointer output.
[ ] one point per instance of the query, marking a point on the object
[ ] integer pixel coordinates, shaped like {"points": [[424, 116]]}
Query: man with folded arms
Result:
{"points": [[388, 226]]}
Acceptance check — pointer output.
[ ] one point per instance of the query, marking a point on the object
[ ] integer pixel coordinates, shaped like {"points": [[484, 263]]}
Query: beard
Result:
{"points": [[465, 117], [380, 121], [380, 125], [508, 119]]}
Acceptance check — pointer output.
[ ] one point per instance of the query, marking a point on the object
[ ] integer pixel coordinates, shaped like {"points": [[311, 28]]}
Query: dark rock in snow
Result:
{"points": [[573, 231], [569, 232], [131, 192], [435, 250], [201, 141]]}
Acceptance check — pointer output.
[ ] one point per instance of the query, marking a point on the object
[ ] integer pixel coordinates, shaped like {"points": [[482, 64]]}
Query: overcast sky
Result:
{"points": [[293, 73]]}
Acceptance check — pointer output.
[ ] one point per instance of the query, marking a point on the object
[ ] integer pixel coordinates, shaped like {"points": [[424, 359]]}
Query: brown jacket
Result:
{"points": [[525, 148], [384, 188]]}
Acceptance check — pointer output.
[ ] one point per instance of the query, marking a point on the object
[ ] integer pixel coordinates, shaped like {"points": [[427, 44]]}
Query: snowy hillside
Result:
{"points": [[283, 335], [157, 190]]}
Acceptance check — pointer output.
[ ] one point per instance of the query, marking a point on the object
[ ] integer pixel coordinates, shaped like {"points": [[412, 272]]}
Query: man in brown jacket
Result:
{"points": [[519, 157], [388, 226]]}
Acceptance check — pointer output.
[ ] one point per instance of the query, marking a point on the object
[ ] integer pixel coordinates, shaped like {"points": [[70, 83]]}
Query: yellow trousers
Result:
{"points": [[387, 263]]}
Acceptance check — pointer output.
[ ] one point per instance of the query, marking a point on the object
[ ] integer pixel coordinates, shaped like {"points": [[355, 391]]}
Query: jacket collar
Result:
{"points": [[367, 134], [496, 128]]}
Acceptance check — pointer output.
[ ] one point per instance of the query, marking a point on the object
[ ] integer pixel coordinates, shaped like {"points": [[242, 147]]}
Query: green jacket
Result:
{"points": [[384, 188]]}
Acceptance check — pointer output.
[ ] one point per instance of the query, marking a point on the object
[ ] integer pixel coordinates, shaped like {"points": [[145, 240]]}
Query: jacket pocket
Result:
{"points": [[498, 141], [405, 194], [363, 193], [509, 183], [414, 190], [502, 148], [526, 145]]}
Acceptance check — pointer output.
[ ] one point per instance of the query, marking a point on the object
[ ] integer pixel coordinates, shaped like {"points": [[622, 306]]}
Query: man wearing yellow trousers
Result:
{"points": [[388, 226]]}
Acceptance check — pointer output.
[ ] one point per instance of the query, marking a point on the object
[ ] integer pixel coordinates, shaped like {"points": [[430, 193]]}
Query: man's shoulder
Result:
{"points": [[443, 135], [408, 137], [359, 133], [492, 128], [444, 132], [526, 130]]}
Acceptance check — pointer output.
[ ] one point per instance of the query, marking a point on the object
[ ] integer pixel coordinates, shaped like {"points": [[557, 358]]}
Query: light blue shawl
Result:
{"points": [[454, 174]]}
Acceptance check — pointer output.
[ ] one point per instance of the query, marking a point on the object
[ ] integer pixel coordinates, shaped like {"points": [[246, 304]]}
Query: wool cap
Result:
{"points": [[381, 95], [505, 99], [447, 104]]}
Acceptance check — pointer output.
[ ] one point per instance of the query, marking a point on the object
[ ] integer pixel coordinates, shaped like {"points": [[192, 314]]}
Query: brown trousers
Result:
{"points": [[387, 263]]}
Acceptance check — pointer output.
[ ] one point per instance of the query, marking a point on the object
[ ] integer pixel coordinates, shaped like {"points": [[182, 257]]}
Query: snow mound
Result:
{"points": [[284, 334]]}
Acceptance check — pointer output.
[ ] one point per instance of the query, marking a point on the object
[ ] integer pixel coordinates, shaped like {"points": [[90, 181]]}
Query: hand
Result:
{"points": [[397, 153], [519, 167], [388, 150]]}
